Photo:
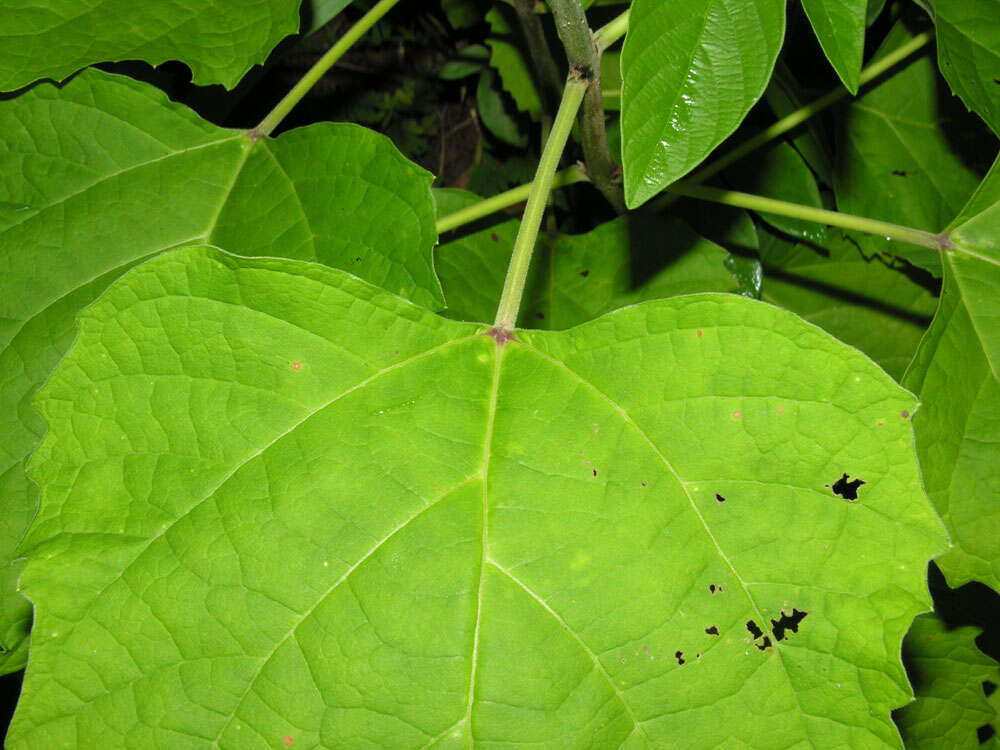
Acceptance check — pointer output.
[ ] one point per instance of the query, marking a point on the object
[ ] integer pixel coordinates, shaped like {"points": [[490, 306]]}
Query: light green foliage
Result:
{"points": [[902, 157], [840, 27], [968, 37], [576, 278], [691, 72], [862, 300], [218, 40], [280, 502], [947, 671], [955, 373], [105, 172]]}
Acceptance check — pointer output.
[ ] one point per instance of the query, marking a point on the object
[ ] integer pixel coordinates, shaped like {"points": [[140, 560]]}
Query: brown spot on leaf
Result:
{"points": [[906, 414], [287, 740], [585, 273], [296, 366], [494, 236]]}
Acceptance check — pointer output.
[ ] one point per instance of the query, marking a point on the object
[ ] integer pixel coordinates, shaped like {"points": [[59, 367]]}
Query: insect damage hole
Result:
{"points": [[719, 498], [712, 630], [781, 626], [847, 489], [679, 655]]}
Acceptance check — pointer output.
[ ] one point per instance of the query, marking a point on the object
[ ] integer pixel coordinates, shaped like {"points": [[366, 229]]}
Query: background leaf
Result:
{"points": [[576, 278], [691, 73], [140, 174], [956, 374], [219, 40], [862, 300], [840, 27], [948, 672], [968, 38], [908, 156], [615, 533]]}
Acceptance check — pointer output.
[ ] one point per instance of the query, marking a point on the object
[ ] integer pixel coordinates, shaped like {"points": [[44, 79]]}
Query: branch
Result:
{"points": [[585, 61], [546, 71]]}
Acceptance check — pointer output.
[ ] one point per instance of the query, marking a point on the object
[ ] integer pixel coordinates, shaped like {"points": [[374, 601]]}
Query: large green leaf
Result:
{"points": [[218, 40], [104, 172], [283, 506], [908, 155], [948, 672], [968, 38], [861, 300], [691, 72], [576, 278], [840, 27], [957, 374]]}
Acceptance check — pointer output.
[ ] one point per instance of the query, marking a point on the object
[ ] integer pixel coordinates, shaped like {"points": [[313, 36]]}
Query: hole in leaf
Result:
{"points": [[712, 630], [719, 498], [899, 172], [679, 655], [755, 631], [541, 315], [585, 273], [787, 622], [847, 489], [765, 645], [715, 589], [595, 472], [985, 733]]}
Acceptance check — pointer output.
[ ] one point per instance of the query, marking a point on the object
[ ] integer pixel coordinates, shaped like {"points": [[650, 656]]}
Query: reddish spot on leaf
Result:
{"points": [[500, 335], [781, 410], [698, 333], [495, 237], [287, 740], [906, 414], [737, 414], [296, 366]]}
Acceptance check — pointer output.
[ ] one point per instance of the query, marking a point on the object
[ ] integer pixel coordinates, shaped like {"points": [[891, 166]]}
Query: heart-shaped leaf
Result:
{"points": [[104, 172], [957, 374], [218, 40], [282, 506], [691, 71]]}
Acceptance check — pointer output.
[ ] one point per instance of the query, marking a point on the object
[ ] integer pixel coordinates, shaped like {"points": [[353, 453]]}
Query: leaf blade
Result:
{"points": [[575, 538], [690, 76]]}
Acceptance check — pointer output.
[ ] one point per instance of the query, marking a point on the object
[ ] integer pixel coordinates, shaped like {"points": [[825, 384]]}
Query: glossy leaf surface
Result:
{"points": [[326, 515], [576, 278], [957, 374], [691, 72], [140, 175], [218, 40], [948, 672], [840, 27], [908, 155], [968, 38]]}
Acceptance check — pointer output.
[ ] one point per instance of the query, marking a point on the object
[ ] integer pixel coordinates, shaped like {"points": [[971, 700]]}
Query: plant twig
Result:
{"points": [[499, 202], [585, 57], [808, 213], [312, 76], [610, 33], [524, 246], [546, 72]]}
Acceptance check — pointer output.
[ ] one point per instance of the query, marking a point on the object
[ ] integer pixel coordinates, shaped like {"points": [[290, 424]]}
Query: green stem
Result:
{"points": [[511, 197], [808, 213], [799, 116], [607, 35], [583, 56], [327, 61], [524, 246], [793, 120]]}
